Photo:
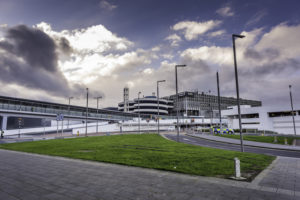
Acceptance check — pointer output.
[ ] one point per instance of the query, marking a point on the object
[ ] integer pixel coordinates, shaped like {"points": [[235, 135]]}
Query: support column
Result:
{"points": [[4, 122]]}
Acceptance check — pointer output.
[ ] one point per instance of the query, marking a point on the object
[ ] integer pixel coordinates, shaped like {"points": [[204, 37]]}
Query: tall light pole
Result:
{"points": [[139, 112], [211, 113], [100, 97], [87, 109], [219, 102], [157, 83], [290, 87], [69, 109], [237, 88], [177, 106]]}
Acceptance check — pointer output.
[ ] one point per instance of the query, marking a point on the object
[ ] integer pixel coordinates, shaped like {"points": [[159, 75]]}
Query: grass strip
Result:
{"points": [[149, 151], [264, 139]]}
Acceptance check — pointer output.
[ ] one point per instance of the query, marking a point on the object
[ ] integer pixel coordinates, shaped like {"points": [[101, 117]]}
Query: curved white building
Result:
{"points": [[148, 105]]}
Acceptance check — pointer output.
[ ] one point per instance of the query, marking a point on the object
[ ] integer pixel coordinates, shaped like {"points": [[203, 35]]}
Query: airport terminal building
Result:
{"points": [[189, 104]]}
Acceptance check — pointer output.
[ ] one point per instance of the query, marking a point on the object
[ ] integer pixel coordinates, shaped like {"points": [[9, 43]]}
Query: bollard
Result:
{"points": [[237, 167], [285, 141]]}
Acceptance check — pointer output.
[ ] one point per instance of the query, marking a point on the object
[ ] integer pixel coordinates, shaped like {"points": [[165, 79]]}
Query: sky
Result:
{"points": [[51, 49]]}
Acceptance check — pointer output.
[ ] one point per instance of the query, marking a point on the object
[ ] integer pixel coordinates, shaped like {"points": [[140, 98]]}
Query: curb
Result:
{"points": [[280, 149], [262, 174]]}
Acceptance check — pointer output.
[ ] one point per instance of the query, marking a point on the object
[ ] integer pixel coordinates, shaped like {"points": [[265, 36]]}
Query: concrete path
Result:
{"points": [[29, 176], [247, 143]]}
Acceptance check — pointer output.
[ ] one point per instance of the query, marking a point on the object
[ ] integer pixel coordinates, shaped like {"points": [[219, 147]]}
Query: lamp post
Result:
{"points": [[237, 88], [87, 109], [211, 112], [100, 97], [157, 83], [69, 109], [290, 87], [219, 102], [177, 106], [139, 116]]}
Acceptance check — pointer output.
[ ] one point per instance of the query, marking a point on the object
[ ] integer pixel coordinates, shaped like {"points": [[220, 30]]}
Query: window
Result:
{"points": [[282, 114]]}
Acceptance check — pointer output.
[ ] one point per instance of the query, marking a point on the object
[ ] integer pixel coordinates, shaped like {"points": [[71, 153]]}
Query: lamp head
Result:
{"points": [[238, 36], [161, 81], [180, 65]]}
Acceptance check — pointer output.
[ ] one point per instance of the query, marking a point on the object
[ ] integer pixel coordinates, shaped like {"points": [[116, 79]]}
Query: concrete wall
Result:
{"points": [[283, 125]]}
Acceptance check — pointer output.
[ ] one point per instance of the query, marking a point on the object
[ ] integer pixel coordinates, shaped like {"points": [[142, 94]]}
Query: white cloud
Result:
{"points": [[212, 55], [225, 11], [256, 18], [217, 33], [174, 39], [106, 5], [95, 39], [282, 38], [193, 29]]}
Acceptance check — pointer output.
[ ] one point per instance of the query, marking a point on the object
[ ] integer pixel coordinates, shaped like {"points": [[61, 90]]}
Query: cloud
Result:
{"points": [[105, 68], [266, 68], [174, 39], [106, 5], [93, 39], [28, 58], [225, 11], [256, 18], [217, 33], [193, 29], [33, 45]]}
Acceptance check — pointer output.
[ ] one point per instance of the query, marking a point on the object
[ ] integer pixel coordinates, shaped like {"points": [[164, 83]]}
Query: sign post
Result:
{"points": [[60, 117]]}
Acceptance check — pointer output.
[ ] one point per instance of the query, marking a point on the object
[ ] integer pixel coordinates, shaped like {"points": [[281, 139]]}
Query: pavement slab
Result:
{"points": [[32, 176]]}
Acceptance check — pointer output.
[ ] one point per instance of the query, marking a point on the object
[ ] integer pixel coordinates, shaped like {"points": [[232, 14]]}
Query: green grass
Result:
{"points": [[265, 139], [149, 151]]}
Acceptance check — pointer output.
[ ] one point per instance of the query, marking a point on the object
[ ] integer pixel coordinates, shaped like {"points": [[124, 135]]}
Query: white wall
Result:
{"points": [[283, 125]]}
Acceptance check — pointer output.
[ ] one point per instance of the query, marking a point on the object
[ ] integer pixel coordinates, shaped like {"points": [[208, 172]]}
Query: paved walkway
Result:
{"points": [[247, 143], [29, 176]]}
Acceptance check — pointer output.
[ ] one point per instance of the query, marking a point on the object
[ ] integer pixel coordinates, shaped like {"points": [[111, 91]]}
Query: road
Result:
{"points": [[234, 147]]}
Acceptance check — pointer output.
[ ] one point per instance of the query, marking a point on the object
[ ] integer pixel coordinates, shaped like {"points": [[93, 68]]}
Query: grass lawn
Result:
{"points": [[149, 151], [265, 139]]}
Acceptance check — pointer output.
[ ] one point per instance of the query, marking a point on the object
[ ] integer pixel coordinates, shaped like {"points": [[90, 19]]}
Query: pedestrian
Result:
{"points": [[2, 133]]}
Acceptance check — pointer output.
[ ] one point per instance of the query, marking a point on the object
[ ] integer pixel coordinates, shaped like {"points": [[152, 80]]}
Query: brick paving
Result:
{"points": [[28, 176]]}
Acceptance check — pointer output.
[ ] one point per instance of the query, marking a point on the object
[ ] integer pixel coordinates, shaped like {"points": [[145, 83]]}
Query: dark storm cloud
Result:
{"points": [[29, 58], [34, 46], [64, 45]]}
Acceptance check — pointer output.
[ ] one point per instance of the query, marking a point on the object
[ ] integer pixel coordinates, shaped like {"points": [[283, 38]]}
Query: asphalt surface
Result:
{"points": [[220, 145]]}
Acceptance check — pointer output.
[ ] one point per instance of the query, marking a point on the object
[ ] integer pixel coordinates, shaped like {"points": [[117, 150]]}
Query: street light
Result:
{"points": [[157, 83], [219, 102], [69, 109], [139, 112], [211, 112], [290, 87], [176, 83], [100, 97], [87, 109], [237, 88]]}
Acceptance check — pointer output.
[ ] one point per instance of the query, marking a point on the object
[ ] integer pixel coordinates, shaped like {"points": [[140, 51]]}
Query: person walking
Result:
{"points": [[2, 133]]}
